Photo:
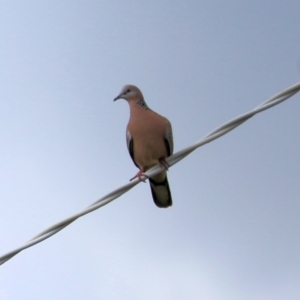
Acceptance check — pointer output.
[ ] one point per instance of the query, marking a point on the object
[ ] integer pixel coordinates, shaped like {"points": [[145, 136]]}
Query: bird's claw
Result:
{"points": [[163, 163], [141, 176]]}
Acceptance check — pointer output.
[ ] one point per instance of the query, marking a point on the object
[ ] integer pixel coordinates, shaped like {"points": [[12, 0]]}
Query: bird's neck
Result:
{"points": [[138, 104]]}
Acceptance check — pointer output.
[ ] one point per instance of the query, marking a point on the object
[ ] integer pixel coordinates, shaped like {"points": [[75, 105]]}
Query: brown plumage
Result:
{"points": [[149, 141]]}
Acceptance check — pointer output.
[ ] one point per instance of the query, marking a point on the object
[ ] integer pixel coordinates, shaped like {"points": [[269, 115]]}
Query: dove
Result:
{"points": [[149, 141]]}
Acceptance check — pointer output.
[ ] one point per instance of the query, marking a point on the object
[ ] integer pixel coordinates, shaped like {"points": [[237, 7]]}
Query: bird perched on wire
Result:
{"points": [[149, 141]]}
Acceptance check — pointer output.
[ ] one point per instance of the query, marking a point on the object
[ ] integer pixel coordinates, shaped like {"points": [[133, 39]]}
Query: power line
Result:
{"points": [[175, 158]]}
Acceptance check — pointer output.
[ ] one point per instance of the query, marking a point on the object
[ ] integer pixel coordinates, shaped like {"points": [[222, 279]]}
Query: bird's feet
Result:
{"points": [[163, 163], [140, 175]]}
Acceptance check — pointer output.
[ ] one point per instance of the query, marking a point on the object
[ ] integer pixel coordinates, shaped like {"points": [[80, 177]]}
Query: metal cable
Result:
{"points": [[175, 158]]}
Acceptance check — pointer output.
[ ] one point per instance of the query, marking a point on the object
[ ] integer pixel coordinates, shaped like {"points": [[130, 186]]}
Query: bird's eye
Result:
{"points": [[127, 91]]}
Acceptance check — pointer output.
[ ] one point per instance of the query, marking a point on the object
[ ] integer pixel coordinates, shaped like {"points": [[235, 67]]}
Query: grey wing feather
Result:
{"points": [[128, 140], [169, 139], [129, 143]]}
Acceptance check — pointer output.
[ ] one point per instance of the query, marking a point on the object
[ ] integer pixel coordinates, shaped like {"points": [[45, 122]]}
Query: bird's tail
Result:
{"points": [[161, 193]]}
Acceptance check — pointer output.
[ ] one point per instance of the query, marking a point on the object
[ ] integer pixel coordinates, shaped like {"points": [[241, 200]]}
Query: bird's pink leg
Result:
{"points": [[163, 163], [139, 175]]}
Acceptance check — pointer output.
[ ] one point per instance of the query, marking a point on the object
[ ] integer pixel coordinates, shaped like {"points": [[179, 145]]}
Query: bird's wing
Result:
{"points": [[129, 142], [168, 139]]}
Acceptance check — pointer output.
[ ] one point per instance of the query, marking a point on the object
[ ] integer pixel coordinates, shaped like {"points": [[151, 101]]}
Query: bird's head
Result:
{"points": [[129, 92]]}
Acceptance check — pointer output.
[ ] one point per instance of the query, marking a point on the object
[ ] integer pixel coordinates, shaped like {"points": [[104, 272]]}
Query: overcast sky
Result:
{"points": [[233, 230]]}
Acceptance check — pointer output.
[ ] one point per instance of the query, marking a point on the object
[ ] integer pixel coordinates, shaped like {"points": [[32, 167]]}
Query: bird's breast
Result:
{"points": [[148, 141]]}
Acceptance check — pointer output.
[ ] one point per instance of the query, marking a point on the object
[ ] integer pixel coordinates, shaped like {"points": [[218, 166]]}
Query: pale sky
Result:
{"points": [[233, 230]]}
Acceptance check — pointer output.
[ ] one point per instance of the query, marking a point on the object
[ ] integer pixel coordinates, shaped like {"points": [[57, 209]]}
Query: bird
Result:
{"points": [[149, 141]]}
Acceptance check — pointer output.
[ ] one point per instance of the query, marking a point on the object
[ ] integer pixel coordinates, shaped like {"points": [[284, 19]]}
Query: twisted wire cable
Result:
{"points": [[173, 159]]}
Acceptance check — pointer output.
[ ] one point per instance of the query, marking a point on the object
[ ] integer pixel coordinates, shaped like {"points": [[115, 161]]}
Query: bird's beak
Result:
{"points": [[118, 97]]}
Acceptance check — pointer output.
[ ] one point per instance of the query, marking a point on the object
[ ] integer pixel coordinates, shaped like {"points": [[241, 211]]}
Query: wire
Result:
{"points": [[175, 158]]}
